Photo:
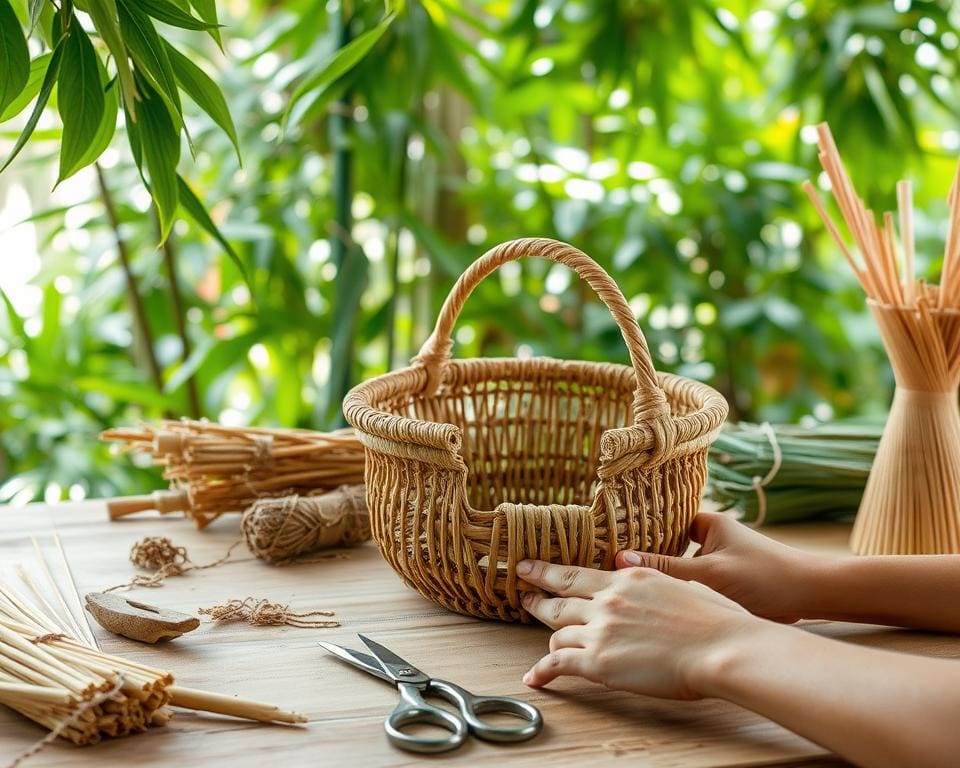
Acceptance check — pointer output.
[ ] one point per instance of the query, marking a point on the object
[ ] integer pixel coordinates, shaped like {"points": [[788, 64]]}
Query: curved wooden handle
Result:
{"points": [[650, 403], [162, 501]]}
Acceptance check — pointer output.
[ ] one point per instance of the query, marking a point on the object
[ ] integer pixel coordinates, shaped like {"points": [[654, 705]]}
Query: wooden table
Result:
{"points": [[586, 725]]}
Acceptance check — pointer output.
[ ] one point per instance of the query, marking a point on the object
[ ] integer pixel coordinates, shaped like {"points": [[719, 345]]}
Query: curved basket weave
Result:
{"points": [[474, 465]]}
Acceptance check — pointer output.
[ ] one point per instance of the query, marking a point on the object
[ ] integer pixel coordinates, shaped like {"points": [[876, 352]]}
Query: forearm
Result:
{"points": [[875, 708], [910, 591]]}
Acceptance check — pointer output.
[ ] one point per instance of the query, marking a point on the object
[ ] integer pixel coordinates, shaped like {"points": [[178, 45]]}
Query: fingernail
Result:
{"points": [[524, 567], [526, 598], [632, 558], [527, 678]]}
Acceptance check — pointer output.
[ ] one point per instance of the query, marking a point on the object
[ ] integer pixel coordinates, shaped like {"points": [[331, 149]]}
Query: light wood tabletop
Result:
{"points": [[585, 724]]}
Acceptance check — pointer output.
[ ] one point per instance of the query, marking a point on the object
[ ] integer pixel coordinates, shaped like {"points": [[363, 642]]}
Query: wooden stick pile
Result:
{"points": [[912, 500], [81, 694], [215, 469]]}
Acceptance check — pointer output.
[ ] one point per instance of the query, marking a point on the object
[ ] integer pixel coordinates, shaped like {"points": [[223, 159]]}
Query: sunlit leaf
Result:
{"points": [[38, 68], [160, 144], [205, 93], [49, 80], [196, 210], [148, 52], [168, 13], [105, 17], [81, 101], [207, 10], [108, 123], [337, 65], [14, 57]]}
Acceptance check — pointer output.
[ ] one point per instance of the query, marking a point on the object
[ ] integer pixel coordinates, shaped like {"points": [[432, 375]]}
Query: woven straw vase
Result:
{"points": [[911, 505], [474, 465]]}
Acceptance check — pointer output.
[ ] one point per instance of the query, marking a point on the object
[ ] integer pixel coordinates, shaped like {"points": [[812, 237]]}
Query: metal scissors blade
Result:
{"points": [[399, 670], [359, 660]]}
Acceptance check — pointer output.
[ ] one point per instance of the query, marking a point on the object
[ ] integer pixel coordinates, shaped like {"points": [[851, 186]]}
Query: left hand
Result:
{"points": [[636, 629]]}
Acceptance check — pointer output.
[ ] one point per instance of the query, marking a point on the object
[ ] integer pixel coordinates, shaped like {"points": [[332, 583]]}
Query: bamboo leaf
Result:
{"points": [[38, 68], [168, 13], [49, 80], [207, 10], [105, 19], [146, 49], [81, 100], [196, 210], [337, 65], [204, 92], [108, 122], [159, 142], [14, 56]]}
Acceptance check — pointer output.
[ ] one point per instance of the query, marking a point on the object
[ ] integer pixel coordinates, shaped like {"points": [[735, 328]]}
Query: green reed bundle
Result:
{"points": [[786, 473]]}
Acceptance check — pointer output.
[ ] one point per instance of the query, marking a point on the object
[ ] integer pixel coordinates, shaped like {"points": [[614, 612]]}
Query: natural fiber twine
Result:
{"points": [[474, 465], [279, 529], [262, 612]]}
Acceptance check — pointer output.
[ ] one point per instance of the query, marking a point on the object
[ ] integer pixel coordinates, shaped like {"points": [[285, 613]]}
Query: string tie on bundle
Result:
{"points": [[758, 483]]}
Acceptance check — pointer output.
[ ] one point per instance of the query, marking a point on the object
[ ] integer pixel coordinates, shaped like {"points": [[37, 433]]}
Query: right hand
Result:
{"points": [[767, 578]]}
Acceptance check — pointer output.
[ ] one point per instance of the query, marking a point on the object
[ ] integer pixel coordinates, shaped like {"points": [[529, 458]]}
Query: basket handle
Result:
{"points": [[650, 404]]}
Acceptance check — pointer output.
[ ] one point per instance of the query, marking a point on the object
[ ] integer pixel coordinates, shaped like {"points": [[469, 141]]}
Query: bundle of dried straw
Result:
{"points": [[912, 500], [52, 671], [82, 694], [215, 469]]}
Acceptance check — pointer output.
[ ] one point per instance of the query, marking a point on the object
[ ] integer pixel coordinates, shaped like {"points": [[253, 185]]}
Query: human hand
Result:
{"points": [[636, 629], [767, 578]]}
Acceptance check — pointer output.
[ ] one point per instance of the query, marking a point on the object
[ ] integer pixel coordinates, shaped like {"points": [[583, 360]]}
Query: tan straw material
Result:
{"points": [[474, 465]]}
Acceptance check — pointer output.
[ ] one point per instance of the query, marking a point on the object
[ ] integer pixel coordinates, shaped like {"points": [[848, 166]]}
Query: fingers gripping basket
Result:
{"points": [[474, 465]]}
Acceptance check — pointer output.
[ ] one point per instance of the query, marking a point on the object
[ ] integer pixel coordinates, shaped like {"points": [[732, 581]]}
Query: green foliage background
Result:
{"points": [[384, 147]]}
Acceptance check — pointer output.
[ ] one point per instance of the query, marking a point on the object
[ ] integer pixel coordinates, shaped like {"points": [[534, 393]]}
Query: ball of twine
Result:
{"points": [[278, 529], [155, 553]]}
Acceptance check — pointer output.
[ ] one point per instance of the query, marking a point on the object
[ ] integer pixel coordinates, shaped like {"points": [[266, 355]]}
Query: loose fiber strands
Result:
{"points": [[215, 469], [912, 499]]}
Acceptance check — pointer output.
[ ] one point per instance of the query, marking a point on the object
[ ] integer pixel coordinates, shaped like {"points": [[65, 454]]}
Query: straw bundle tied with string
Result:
{"points": [[912, 499], [52, 672], [786, 473], [215, 469]]}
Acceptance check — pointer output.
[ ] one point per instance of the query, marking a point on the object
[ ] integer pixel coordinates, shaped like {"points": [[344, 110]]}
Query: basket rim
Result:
{"points": [[443, 441]]}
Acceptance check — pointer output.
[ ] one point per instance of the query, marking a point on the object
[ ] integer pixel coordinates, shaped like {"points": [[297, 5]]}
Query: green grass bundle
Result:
{"points": [[821, 471]]}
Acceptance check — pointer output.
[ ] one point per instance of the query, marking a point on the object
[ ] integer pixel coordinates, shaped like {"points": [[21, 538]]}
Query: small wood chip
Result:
{"points": [[138, 621]]}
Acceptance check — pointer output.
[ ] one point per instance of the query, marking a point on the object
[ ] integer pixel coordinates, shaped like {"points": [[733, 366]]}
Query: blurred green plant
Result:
{"points": [[386, 147]]}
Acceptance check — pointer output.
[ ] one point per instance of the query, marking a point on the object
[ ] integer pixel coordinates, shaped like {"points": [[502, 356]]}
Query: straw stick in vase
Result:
{"points": [[911, 504]]}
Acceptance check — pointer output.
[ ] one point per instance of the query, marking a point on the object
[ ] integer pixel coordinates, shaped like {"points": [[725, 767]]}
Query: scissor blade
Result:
{"points": [[359, 660], [397, 668]]}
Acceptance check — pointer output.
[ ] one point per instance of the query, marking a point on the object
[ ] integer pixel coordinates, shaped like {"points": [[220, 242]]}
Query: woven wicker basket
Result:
{"points": [[474, 465]]}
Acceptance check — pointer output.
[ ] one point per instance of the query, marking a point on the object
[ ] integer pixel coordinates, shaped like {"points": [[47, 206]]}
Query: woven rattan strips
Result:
{"points": [[474, 465]]}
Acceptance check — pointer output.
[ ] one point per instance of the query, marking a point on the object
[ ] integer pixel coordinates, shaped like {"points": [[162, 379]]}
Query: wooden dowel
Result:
{"points": [[189, 698], [163, 502]]}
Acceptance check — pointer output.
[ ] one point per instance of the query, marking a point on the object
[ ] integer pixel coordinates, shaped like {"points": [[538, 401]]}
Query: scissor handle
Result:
{"points": [[413, 710], [471, 707]]}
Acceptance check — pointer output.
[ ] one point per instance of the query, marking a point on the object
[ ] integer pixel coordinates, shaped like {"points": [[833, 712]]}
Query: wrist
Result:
{"points": [[825, 580], [722, 663]]}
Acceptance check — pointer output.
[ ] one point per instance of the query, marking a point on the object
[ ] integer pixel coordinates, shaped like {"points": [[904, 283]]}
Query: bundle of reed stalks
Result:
{"points": [[787, 473], [214, 469], [911, 504], [82, 694]]}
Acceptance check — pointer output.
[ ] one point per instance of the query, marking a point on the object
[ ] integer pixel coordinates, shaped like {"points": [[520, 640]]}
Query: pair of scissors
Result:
{"points": [[413, 709]]}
